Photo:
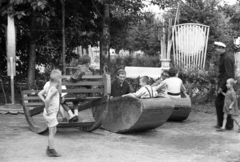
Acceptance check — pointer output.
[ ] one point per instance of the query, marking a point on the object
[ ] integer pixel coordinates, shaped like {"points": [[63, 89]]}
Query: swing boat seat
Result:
{"points": [[101, 88]]}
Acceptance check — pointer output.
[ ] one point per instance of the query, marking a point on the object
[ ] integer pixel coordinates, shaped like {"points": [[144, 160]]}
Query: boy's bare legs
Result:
{"points": [[50, 150], [52, 132]]}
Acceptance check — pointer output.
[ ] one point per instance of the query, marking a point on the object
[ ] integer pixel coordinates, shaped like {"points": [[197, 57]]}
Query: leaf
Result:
{"points": [[28, 13], [34, 8], [38, 19], [42, 7], [19, 16], [53, 13]]}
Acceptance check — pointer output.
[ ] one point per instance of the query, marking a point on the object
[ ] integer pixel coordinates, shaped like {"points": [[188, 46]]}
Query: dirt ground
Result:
{"points": [[194, 140]]}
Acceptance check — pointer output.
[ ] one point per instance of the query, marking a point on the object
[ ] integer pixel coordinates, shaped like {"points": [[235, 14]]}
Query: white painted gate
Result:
{"points": [[190, 45]]}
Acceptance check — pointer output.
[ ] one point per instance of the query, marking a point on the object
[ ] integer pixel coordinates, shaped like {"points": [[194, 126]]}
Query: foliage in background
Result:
{"points": [[43, 20], [143, 36], [201, 85]]}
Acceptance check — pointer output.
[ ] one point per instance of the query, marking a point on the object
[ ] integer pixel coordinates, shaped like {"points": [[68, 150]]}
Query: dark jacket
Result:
{"points": [[226, 69], [119, 90]]}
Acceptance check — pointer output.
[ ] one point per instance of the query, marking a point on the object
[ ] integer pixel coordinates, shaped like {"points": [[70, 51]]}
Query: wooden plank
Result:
{"points": [[32, 104], [206, 44], [93, 103], [36, 110], [174, 44], [33, 92], [81, 83], [88, 76], [81, 90], [80, 99], [31, 98]]}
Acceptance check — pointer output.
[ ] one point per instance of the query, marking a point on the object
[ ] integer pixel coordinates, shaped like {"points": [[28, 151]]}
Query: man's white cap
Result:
{"points": [[221, 44]]}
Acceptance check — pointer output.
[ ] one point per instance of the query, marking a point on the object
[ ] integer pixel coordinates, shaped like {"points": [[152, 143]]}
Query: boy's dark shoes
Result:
{"points": [[52, 153], [73, 119]]}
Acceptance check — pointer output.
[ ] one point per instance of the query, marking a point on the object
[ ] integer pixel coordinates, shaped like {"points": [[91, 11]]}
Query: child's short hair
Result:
{"points": [[85, 59], [172, 72], [232, 81], [145, 79], [121, 71], [165, 73], [55, 75]]}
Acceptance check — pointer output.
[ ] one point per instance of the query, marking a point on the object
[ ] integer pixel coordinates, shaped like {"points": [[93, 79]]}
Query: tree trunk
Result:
{"points": [[32, 56], [63, 38], [105, 40]]}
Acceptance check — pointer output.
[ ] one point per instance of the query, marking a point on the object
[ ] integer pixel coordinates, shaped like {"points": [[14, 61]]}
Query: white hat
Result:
{"points": [[220, 44]]}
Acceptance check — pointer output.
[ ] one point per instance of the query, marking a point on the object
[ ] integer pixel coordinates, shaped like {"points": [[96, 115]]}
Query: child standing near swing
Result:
{"points": [[52, 103], [230, 105]]}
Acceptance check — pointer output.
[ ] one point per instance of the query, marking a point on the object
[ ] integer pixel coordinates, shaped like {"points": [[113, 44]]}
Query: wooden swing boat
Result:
{"points": [[99, 94], [128, 114], [182, 108]]}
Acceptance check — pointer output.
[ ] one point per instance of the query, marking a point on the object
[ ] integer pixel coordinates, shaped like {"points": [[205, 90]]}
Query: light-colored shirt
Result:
{"points": [[144, 92], [47, 85], [161, 91], [54, 103], [174, 85]]}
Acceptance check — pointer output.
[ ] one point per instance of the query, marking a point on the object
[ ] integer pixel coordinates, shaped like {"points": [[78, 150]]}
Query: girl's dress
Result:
{"points": [[229, 98]]}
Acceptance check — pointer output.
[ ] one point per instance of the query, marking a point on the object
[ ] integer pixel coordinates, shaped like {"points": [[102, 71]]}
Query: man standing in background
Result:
{"points": [[226, 71]]}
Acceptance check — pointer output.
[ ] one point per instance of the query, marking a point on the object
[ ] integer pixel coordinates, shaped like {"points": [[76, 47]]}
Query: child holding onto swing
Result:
{"points": [[174, 85], [230, 105], [146, 91], [52, 103]]}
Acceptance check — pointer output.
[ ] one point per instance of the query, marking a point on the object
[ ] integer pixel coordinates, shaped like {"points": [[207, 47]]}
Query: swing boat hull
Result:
{"points": [[127, 114]]}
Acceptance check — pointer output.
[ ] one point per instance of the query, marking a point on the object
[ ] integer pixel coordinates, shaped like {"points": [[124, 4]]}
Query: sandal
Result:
{"points": [[220, 130], [238, 130]]}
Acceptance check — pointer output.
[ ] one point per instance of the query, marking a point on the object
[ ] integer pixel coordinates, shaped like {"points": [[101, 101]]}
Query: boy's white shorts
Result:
{"points": [[51, 119]]}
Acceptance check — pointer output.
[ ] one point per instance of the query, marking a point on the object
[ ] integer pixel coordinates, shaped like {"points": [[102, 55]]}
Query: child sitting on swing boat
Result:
{"points": [[146, 91], [174, 85]]}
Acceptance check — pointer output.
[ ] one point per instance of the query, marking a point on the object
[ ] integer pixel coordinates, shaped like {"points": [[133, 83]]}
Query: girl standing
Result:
{"points": [[230, 105]]}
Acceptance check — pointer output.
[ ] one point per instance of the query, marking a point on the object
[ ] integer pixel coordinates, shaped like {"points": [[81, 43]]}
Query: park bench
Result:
{"points": [[182, 107], [95, 97]]}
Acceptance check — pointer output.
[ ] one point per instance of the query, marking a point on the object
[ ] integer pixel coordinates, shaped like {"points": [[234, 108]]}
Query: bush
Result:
{"points": [[200, 85]]}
